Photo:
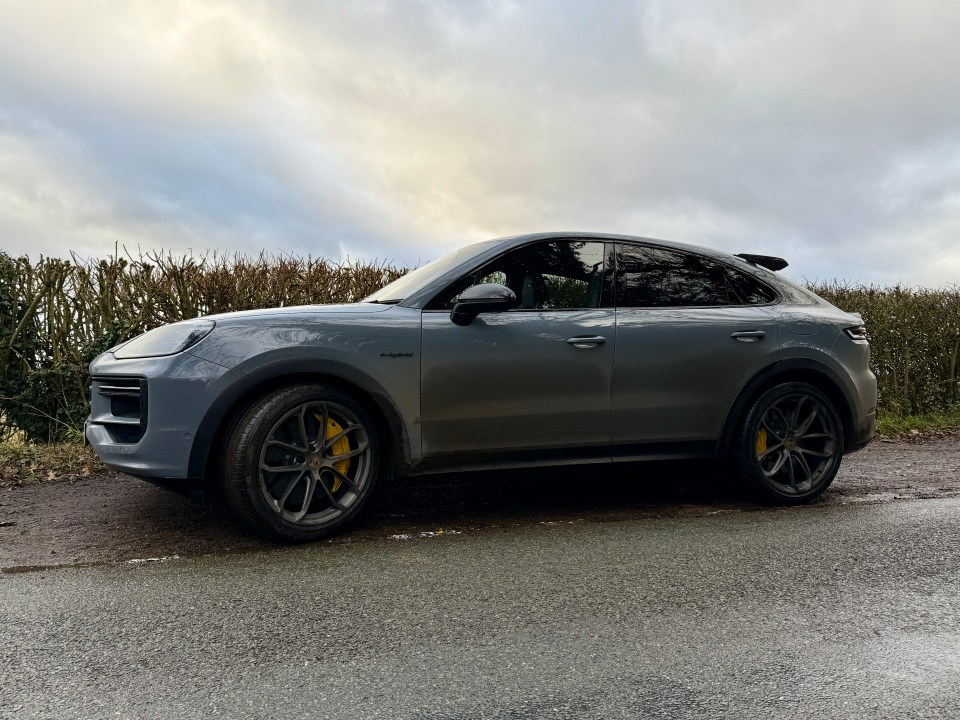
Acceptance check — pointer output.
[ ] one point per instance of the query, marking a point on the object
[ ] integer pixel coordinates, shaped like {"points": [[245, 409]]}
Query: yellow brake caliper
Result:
{"points": [[761, 441], [340, 447]]}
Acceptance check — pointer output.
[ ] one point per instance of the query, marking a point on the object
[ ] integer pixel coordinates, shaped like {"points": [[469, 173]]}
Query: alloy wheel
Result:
{"points": [[315, 463], [797, 444]]}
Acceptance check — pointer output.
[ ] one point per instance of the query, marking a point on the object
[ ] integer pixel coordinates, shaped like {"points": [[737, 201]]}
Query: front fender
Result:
{"points": [[380, 359], [280, 371]]}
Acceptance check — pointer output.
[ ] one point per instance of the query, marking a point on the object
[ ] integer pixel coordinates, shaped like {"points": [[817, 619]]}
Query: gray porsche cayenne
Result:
{"points": [[531, 350]]}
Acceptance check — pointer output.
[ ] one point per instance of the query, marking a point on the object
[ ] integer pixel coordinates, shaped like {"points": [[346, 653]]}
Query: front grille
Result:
{"points": [[122, 405]]}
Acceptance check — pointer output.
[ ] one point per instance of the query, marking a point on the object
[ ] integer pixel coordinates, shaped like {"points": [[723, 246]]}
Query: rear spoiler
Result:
{"points": [[767, 261]]}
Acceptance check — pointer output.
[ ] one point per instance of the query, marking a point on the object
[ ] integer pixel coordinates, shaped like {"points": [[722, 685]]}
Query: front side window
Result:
{"points": [[563, 274]]}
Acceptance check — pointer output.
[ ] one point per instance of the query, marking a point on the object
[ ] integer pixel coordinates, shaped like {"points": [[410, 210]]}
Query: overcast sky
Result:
{"points": [[825, 132]]}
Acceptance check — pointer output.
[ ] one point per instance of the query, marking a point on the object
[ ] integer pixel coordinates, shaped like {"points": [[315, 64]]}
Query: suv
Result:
{"points": [[529, 350]]}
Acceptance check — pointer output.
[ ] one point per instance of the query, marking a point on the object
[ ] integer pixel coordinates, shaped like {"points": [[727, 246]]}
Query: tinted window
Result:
{"points": [[750, 289], [797, 295], [654, 277], [551, 275]]}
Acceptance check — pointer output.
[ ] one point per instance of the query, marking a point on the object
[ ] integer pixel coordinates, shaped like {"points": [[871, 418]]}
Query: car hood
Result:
{"points": [[301, 311]]}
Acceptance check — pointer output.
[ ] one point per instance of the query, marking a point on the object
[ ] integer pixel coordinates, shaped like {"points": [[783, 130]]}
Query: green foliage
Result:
{"points": [[57, 315], [914, 344], [566, 292]]}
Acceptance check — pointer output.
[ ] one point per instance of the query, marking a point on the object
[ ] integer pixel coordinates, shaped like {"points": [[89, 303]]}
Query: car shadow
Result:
{"points": [[598, 493], [116, 518]]}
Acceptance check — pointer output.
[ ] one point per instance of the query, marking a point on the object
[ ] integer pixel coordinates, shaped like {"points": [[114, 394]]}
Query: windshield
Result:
{"points": [[425, 274]]}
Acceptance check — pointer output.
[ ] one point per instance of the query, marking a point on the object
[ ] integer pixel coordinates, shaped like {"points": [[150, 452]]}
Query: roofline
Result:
{"points": [[517, 240], [508, 242]]}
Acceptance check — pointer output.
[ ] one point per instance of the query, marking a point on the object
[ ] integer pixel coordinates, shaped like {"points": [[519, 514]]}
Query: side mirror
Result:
{"points": [[487, 297]]}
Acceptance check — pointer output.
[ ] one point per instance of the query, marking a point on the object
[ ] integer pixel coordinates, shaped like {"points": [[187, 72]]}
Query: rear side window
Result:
{"points": [[750, 289], [655, 277], [797, 296]]}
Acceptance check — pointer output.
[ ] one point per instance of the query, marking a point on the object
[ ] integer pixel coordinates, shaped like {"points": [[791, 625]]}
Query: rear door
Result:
{"points": [[691, 332]]}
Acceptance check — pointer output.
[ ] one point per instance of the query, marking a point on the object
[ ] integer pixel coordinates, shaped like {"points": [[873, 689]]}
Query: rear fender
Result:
{"points": [[794, 369]]}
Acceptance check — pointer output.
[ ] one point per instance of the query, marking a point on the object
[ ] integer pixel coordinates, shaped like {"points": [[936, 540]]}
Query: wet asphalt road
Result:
{"points": [[847, 611]]}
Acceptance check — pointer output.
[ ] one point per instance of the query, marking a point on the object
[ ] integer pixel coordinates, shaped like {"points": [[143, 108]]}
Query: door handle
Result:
{"points": [[748, 336], [586, 342]]}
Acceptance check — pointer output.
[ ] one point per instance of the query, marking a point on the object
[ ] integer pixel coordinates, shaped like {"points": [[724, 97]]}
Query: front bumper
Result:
{"points": [[151, 434]]}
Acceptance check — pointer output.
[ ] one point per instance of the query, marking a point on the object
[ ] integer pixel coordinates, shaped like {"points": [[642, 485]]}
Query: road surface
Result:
{"points": [[583, 594]]}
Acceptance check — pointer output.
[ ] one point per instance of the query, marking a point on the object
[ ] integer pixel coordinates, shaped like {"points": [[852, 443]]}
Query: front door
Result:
{"points": [[533, 379]]}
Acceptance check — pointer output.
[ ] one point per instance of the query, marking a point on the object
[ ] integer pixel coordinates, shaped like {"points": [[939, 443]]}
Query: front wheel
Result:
{"points": [[300, 462], [790, 444]]}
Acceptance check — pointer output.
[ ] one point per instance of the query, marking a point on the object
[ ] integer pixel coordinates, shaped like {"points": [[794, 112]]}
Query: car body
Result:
{"points": [[528, 350]]}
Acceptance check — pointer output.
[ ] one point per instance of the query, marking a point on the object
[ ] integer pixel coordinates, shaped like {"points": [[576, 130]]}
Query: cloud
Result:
{"points": [[824, 132]]}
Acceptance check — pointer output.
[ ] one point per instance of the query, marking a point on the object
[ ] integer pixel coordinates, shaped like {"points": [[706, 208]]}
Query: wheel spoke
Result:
{"points": [[796, 411], [288, 446], [811, 436], [302, 421], [773, 432], [802, 462], [289, 489], [329, 442], [345, 479], [307, 497], [815, 453], [805, 425], [336, 503], [777, 466], [280, 468], [793, 479], [353, 453], [770, 450], [322, 431]]}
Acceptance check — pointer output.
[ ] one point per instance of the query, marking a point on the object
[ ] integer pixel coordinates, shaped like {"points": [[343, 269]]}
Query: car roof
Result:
{"points": [[509, 241]]}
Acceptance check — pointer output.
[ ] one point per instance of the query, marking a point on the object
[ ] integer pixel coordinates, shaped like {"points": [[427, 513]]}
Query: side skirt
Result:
{"points": [[506, 460]]}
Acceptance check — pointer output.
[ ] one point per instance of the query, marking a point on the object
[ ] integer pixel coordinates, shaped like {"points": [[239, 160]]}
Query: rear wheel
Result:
{"points": [[300, 463], [790, 444]]}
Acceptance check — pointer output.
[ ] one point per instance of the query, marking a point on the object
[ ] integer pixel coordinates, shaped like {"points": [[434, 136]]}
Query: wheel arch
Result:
{"points": [[811, 372], [231, 403]]}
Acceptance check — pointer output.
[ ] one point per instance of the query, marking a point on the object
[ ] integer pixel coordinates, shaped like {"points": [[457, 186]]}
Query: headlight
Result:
{"points": [[166, 340]]}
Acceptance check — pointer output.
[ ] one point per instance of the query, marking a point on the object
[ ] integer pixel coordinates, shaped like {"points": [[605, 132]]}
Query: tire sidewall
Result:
{"points": [[241, 476]]}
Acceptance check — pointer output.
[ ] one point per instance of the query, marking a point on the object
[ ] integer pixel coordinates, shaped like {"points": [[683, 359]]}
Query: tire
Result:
{"points": [[284, 476], [789, 446]]}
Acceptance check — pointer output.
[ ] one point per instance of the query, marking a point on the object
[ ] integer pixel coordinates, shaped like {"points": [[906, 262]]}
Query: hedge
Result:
{"points": [[56, 315]]}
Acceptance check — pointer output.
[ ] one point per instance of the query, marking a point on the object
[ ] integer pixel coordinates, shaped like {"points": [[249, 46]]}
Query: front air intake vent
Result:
{"points": [[125, 401], [119, 387]]}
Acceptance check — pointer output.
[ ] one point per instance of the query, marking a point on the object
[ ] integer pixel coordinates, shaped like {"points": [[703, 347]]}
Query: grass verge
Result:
{"points": [[25, 464], [931, 424]]}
